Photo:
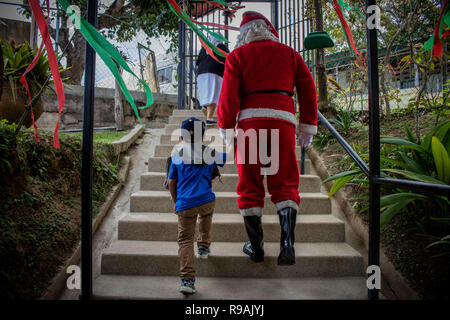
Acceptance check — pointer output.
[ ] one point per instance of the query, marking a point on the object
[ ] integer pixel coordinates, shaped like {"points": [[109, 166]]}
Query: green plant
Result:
{"points": [[7, 147], [16, 60], [322, 139], [345, 121]]}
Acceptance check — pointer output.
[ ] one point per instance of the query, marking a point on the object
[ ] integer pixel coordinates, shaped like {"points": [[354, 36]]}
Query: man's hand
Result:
{"points": [[304, 139]]}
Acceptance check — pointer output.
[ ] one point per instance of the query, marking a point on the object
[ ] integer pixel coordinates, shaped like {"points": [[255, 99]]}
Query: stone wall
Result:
{"points": [[72, 116]]}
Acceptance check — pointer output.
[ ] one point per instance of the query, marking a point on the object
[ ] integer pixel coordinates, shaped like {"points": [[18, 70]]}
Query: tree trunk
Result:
{"points": [[151, 72], [75, 59], [118, 105]]}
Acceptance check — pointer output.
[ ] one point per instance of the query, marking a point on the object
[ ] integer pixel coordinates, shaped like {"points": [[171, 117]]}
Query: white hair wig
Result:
{"points": [[257, 32]]}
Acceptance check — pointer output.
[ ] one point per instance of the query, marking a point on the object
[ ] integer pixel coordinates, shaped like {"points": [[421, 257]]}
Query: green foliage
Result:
{"points": [[150, 16], [40, 204], [345, 121], [426, 162], [7, 145]]}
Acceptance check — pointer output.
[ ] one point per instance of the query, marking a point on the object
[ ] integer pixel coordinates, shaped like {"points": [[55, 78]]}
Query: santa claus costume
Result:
{"points": [[257, 89]]}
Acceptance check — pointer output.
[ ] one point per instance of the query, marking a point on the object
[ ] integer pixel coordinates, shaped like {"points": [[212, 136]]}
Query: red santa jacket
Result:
{"points": [[266, 65]]}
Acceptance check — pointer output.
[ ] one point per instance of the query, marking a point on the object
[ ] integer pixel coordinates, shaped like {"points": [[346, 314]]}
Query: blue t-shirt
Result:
{"points": [[193, 182]]}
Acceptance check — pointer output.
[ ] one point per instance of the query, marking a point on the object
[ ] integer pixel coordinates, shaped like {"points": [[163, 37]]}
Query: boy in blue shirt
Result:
{"points": [[190, 186]]}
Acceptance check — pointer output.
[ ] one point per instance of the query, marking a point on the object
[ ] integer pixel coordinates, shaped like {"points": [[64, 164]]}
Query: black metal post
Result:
{"points": [[374, 148], [181, 66], [86, 170]]}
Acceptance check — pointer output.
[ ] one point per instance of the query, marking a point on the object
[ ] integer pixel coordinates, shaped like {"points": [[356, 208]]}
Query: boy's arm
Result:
{"points": [[173, 189]]}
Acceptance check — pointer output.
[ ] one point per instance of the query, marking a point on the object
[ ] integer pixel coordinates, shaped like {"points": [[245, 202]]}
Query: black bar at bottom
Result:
{"points": [[374, 147], [86, 170]]}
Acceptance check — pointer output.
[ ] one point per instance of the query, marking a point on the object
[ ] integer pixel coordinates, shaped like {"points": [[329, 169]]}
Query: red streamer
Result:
{"points": [[216, 25], [23, 79], [43, 29], [346, 27], [209, 50]]}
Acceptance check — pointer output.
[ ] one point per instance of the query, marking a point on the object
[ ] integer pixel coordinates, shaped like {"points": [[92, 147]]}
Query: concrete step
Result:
{"points": [[226, 202], [155, 180], [158, 164], [165, 150], [179, 119], [160, 258], [166, 288], [230, 227]]}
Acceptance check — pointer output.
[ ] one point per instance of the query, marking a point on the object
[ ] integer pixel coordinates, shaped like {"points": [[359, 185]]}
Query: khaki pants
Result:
{"points": [[186, 230]]}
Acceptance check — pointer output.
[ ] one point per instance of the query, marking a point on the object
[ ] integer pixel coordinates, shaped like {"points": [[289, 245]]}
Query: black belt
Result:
{"points": [[269, 91]]}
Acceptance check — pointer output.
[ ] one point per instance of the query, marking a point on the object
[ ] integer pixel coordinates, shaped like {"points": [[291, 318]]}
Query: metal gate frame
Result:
{"points": [[287, 17]]}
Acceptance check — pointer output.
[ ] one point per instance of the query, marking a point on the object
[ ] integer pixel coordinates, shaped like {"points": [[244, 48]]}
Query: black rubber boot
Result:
{"points": [[288, 219], [254, 247]]}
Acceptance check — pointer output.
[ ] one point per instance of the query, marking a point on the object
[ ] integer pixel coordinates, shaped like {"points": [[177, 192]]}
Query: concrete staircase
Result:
{"points": [[143, 262]]}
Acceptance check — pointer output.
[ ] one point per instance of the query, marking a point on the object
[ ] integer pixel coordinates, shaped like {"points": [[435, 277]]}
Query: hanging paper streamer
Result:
{"points": [[348, 8], [225, 6], [108, 53], [43, 29], [203, 39], [209, 47], [436, 45], [347, 32], [23, 78]]}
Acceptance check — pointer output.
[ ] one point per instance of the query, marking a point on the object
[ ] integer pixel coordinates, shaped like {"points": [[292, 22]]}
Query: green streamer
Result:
{"points": [[445, 19], [194, 28], [108, 53], [347, 7]]}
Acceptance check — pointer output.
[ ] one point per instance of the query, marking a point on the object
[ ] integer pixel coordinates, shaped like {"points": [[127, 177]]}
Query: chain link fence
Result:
{"points": [[147, 58]]}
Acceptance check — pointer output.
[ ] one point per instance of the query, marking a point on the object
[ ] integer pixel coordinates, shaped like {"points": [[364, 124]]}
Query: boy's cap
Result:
{"points": [[189, 125]]}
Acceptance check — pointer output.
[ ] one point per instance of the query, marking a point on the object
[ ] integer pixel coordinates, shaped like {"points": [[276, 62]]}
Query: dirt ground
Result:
{"points": [[107, 231]]}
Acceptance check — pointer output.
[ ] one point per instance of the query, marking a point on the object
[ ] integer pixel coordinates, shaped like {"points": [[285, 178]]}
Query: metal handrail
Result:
{"points": [[417, 186], [361, 164]]}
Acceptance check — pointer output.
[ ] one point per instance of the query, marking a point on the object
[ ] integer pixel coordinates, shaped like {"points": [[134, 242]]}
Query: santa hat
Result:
{"points": [[250, 18]]}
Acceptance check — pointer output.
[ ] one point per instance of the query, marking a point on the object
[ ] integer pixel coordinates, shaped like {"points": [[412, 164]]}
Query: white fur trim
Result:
{"points": [[254, 211], [267, 113], [307, 128], [286, 204]]}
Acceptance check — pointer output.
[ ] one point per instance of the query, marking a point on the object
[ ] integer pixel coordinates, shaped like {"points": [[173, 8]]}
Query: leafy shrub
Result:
{"points": [[428, 162], [345, 121]]}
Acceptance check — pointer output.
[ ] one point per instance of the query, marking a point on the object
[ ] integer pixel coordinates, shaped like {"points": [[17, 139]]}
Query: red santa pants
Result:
{"points": [[282, 183]]}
